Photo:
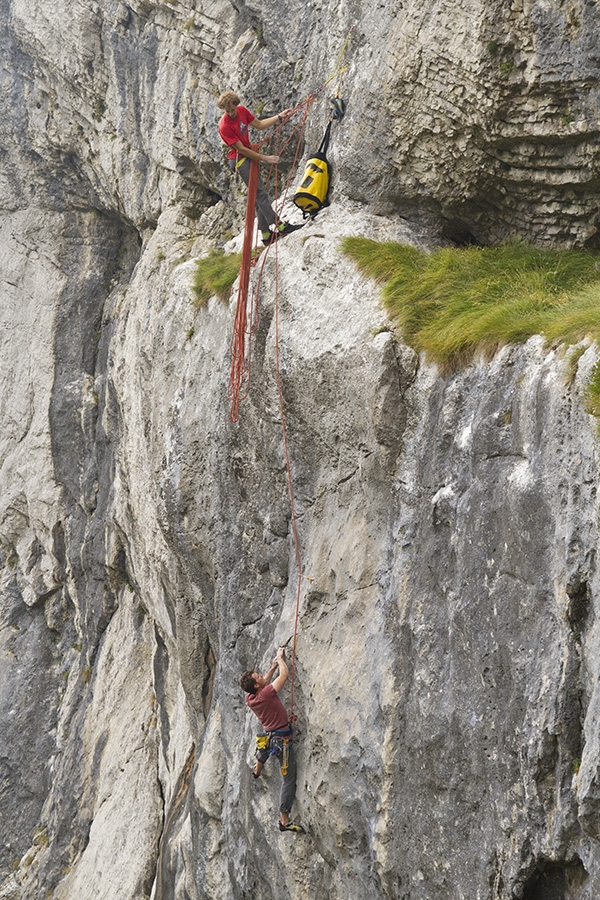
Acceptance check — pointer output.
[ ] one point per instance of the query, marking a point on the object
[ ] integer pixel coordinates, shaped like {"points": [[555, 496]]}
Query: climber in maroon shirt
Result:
{"points": [[233, 129], [262, 698]]}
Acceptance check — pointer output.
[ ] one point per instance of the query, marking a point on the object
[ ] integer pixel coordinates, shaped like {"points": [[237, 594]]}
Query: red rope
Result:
{"points": [[300, 128], [240, 354], [240, 365], [288, 467], [238, 338], [246, 324]]}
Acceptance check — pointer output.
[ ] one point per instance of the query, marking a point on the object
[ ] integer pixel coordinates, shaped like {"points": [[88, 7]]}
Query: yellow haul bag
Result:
{"points": [[311, 193]]}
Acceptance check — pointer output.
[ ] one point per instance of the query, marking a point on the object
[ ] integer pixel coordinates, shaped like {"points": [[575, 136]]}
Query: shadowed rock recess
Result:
{"points": [[448, 652]]}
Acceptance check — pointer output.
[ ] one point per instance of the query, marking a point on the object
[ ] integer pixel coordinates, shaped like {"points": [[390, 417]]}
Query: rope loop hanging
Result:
{"points": [[238, 337], [246, 310]]}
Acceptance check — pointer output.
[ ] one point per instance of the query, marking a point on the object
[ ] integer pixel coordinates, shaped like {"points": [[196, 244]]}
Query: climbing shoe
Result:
{"points": [[292, 826], [286, 228], [266, 237]]}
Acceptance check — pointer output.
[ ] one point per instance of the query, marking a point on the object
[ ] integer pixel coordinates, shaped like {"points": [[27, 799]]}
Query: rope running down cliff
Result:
{"points": [[246, 325], [246, 315], [246, 319]]}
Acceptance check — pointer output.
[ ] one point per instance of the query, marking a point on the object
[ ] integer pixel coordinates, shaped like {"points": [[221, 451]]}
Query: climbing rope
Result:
{"points": [[247, 319], [288, 470], [238, 338]]}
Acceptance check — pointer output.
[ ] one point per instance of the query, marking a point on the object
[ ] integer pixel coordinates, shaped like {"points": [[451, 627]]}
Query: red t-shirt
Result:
{"points": [[268, 707], [232, 130]]}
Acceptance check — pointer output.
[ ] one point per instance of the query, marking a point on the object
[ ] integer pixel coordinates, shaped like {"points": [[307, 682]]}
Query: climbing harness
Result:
{"points": [[278, 745]]}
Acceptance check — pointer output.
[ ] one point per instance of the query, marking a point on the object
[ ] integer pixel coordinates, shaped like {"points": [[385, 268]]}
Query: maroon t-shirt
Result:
{"points": [[268, 707], [232, 130]]}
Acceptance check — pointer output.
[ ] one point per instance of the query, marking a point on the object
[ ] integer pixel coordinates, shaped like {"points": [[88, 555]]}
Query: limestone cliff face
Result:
{"points": [[447, 661], [478, 119]]}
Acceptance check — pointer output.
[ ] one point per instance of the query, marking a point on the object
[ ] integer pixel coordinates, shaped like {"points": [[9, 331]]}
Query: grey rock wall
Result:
{"points": [[480, 121], [446, 667], [447, 662]]}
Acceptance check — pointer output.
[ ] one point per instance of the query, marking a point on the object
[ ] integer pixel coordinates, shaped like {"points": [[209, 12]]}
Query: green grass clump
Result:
{"points": [[215, 275], [456, 302]]}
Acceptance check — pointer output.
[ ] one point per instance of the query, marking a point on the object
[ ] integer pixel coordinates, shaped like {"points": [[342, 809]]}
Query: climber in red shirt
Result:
{"points": [[233, 129], [262, 698]]}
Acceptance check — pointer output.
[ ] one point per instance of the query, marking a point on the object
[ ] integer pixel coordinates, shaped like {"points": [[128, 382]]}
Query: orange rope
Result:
{"points": [[240, 354], [240, 366], [238, 338], [292, 717], [244, 324]]}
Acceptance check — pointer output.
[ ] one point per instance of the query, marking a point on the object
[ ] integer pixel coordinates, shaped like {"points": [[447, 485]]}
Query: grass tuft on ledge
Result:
{"points": [[215, 275], [456, 302]]}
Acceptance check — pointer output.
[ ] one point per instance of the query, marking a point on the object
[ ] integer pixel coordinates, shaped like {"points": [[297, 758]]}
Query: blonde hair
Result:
{"points": [[228, 98]]}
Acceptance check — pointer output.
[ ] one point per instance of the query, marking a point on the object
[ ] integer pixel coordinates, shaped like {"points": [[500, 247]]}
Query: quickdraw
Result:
{"points": [[285, 759]]}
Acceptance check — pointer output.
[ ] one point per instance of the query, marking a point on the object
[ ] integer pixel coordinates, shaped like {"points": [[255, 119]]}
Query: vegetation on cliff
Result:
{"points": [[456, 302], [215, 275]]}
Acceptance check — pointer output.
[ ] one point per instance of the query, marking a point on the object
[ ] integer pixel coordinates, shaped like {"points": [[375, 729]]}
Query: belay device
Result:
{"points": [[311, 193]]}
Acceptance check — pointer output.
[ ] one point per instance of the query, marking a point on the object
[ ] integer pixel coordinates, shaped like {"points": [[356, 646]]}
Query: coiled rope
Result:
{"points": [[246, 318]]}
